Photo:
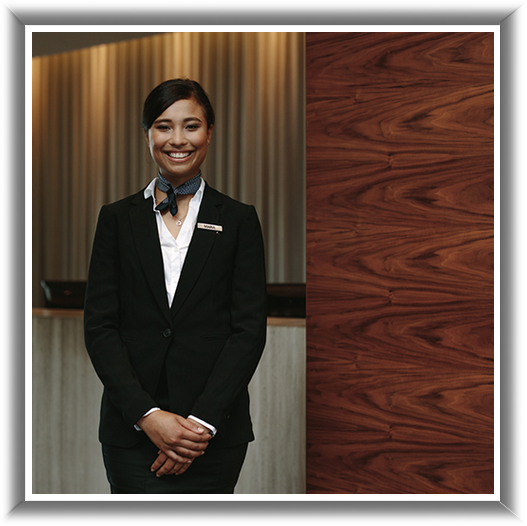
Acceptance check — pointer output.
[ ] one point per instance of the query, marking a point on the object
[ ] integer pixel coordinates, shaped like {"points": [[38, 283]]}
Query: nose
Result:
{"points": [[178, 137]]}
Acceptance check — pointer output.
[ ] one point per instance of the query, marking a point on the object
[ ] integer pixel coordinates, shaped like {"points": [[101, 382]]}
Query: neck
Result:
{"points": [[178, 181]]}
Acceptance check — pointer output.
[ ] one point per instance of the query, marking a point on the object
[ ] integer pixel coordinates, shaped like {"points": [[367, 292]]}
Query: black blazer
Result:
{"points": [[210, 340]]}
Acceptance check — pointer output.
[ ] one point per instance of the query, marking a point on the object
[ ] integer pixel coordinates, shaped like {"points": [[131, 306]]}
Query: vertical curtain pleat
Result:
{"points": [[89, 147]]}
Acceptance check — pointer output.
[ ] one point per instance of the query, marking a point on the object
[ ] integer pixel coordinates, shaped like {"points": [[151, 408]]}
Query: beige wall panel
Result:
{"points": [[66, 454]]}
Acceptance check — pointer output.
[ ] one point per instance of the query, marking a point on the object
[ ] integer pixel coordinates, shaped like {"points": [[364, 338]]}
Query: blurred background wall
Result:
{"points": [[89, 148]]}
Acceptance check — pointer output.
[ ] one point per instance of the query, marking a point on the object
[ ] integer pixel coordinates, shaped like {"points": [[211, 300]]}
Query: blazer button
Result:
{"points": [[167, 333]]}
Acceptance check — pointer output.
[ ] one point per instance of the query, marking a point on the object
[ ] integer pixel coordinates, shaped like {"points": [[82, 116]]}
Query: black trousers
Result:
{"points": [[128, 470]]}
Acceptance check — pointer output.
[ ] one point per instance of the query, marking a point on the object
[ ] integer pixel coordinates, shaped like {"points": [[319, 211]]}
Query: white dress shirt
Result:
{"points": [[174, 252]]}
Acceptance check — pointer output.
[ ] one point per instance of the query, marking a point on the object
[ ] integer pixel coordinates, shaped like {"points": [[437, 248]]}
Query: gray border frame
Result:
{"points": [[464, 512]]}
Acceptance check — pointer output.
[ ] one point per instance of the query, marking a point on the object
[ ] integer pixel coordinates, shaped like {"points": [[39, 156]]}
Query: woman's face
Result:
{"points": [[178, 140]]}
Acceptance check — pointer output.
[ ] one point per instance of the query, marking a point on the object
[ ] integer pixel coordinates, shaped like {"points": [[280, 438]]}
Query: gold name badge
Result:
{"points": [[208, 226]]}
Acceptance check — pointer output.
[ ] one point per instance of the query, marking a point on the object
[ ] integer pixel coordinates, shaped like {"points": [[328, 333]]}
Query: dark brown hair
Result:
{"points": [[170, 91]]}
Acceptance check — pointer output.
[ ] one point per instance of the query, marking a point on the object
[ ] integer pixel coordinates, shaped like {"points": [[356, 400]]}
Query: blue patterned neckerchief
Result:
{"points": [[189, 187]]}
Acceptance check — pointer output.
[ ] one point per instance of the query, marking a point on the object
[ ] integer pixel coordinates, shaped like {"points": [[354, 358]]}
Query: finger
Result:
{"points": [[196, 438], [185, 440], [188, 453], [160, 460], [183, 455], [184, 448], [179, 468], [168, 457], [183, 467], [173, 468], [167, 430], [166, 468], [195, 427], [190, 443]]}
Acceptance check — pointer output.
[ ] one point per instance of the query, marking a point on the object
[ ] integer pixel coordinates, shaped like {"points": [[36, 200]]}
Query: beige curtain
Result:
{"points": [[88, 145]]}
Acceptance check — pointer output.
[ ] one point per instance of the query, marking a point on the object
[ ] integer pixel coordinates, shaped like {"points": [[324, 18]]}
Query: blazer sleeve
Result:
{"points": [[101, 324], [240, 356]]}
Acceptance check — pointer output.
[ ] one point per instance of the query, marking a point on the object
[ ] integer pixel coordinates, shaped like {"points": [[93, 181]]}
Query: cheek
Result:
{"points": [[155, 145], [204, 142]]}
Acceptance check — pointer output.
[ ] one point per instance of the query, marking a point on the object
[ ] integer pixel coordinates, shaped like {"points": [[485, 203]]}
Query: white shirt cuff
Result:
{"points": [[210, 427], [146, 414]]}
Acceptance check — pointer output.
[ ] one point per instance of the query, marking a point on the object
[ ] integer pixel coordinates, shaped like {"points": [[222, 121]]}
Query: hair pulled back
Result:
{"points": [[170, 91]]}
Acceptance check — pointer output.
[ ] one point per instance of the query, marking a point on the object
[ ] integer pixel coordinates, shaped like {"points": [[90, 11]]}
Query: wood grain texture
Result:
{"points": [[400, 176]]}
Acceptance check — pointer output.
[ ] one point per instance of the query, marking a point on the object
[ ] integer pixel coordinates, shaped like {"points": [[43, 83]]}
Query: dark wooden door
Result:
{"points": [[400, 263]]}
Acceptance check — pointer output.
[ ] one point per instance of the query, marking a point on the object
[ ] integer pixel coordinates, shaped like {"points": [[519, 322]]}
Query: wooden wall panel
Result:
{"points": [[400, 263]]}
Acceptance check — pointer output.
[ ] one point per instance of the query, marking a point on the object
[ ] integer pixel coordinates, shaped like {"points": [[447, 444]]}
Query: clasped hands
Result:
{"points": [[180, 440]]}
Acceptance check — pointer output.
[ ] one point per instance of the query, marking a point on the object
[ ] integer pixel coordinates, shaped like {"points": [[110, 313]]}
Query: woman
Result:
{"points": [[175, 316]]}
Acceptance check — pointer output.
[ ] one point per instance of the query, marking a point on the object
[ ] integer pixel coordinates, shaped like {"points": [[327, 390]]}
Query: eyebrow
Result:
{"points": [[187, 119]]}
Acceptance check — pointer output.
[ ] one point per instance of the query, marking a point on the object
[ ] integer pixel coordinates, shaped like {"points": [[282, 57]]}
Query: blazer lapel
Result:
{"points": [[199, 248], [146, 238]]}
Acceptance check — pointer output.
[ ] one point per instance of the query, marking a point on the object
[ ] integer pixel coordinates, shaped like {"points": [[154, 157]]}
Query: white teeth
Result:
{"points": [[179, 155]]}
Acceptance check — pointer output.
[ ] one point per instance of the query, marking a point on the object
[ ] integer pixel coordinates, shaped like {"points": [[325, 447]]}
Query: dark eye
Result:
{"points": [[162, 127], [192, 127]]}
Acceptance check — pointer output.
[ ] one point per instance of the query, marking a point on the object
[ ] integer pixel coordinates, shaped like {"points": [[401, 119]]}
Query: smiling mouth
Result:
{"points": [[179, 155]]}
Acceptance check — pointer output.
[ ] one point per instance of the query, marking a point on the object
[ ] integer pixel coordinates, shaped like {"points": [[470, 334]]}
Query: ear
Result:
{"points": [[209, 134], [147, 138]]}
